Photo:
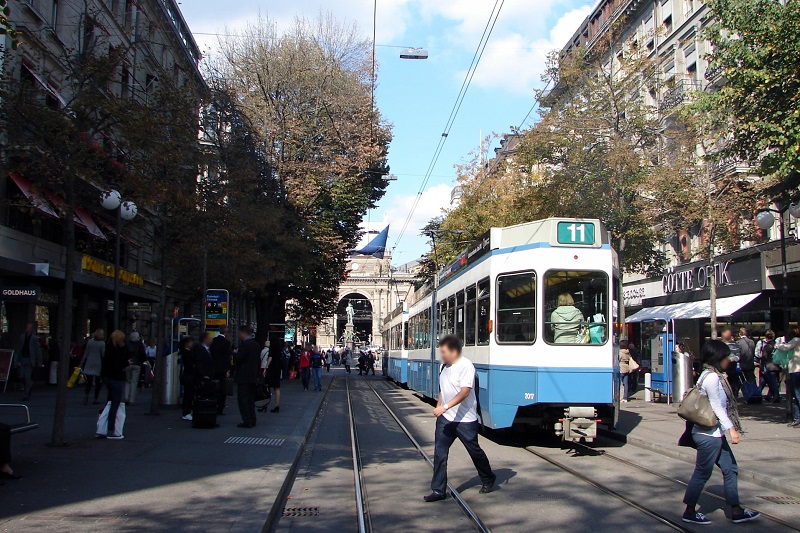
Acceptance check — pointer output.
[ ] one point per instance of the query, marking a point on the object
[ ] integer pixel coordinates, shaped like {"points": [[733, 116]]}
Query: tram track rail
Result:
{"points": [[673, 524], [470, 513], [362, 501], [603, 453]]}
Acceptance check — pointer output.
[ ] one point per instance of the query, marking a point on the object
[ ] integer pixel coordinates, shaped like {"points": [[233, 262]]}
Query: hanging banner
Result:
{"points": [[216, 308]]}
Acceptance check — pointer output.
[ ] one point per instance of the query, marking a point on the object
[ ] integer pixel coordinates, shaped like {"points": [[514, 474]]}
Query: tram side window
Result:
{"points": [[516, 308], [484, 312], [576, 307], [449, 307], [460, 315], [441, 318], [426, 323], [469, 317]]}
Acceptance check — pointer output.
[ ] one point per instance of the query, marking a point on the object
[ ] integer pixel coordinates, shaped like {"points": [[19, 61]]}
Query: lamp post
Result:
{"points": [[765, 219], [124, 210]]}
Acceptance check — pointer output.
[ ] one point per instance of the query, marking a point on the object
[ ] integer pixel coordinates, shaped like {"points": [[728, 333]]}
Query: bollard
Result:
{"points": [[648, 383]]}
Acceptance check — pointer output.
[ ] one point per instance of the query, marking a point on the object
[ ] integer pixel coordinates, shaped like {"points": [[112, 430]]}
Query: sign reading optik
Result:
{"points": [[696, 278]]}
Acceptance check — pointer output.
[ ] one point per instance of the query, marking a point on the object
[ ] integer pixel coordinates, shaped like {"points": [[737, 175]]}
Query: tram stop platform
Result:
{"points": [[164, 475], [766, 454]]}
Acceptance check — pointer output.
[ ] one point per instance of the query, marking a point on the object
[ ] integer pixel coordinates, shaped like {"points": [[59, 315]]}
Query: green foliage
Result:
{"points": [[591, 155], [756, 46]]}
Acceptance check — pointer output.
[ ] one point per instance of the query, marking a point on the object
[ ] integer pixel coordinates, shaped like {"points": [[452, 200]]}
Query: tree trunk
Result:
{"points": [[712, 295], [161, 341], [620, 293], [60, 414], [263, 305]]}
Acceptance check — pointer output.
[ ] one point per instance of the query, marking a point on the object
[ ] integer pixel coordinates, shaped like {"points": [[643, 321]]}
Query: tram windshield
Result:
{"points": [[576, 307]]}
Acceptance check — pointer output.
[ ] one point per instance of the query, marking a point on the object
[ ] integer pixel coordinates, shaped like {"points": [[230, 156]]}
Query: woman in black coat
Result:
{"points": [[115, 361]]}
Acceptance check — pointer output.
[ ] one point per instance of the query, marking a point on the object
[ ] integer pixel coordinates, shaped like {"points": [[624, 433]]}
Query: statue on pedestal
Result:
{"points": [[350, 312]]}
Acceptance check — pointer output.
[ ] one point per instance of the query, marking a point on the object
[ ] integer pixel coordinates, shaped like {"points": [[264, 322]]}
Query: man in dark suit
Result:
{"points": [[248, 363], [221, 354], [28, 356]]}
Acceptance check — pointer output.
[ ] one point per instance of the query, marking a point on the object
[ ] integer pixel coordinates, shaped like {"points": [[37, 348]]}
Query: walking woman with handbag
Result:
{"points": [[712, 446]]}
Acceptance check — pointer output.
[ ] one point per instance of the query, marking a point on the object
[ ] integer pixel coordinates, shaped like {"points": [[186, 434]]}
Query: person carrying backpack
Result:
{"points": [[317, 362], [747, 361], [770, 372]]}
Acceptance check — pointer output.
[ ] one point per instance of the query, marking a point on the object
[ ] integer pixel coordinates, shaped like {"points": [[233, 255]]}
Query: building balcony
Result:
{"points": [[681, 92]]}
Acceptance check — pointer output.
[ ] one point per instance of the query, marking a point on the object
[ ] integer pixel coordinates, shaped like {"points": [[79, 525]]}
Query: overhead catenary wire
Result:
{"points": [[476, 58]]}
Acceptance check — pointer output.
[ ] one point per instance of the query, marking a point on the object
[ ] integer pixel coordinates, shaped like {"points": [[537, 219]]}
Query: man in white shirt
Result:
{"points": [[456, 418]]}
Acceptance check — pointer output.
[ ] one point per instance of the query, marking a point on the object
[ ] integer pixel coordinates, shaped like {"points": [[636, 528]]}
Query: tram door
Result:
{"points": [[659, 341]]}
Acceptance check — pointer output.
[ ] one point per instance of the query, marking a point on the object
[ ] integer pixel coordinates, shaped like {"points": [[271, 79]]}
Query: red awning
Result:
{"points": [[81, 217], [110, 228], [35, 198]]}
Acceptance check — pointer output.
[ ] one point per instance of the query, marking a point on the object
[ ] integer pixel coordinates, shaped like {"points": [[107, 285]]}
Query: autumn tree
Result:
{"points": [[595, 142], [692, 189], [306, 97], [90, 137]]}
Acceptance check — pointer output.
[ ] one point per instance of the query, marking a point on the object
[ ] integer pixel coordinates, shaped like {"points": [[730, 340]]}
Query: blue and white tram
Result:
{"points": [[534, 305], [395, 331]]}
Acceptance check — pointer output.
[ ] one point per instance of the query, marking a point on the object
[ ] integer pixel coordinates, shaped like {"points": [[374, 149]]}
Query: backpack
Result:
{"points": [[316, 360]]}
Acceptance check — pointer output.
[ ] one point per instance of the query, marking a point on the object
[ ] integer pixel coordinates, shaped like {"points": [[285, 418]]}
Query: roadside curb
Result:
{"points": [[309, 421], [744, 473]]}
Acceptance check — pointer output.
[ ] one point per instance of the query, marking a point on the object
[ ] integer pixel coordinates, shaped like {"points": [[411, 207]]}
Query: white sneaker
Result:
{"points": [[115, 436], [188, 417]]}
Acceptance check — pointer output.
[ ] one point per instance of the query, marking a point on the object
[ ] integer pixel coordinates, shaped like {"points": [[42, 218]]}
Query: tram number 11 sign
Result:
{"points": [[575, 233]]}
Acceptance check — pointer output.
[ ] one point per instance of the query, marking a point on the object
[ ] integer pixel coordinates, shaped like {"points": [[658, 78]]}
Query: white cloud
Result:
{"points": [[431, 204], [203, 17], [515, 61]]}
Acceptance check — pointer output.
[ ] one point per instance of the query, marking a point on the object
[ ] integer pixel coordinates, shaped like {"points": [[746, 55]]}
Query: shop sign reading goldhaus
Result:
{"points": [[96, 266]]}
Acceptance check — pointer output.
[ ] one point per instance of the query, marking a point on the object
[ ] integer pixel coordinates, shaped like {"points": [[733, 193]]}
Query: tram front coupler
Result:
{"points": [[579, 423]]}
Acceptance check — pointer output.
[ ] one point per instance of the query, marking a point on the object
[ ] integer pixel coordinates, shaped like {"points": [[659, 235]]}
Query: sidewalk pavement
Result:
{"points": [[767, 454], [164, 476]]}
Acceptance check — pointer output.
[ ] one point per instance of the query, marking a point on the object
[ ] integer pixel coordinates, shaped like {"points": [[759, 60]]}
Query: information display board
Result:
{"points": [[216, 308]]}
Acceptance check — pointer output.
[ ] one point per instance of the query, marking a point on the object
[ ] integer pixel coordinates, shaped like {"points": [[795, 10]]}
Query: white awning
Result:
{"points": [[689, 310]]}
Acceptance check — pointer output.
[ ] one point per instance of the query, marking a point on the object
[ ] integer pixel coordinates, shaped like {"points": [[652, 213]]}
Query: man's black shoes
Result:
{"points": [[435, 497], [488, 487]]}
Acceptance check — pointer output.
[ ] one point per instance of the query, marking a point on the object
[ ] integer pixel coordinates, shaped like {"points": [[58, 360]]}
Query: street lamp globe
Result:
{"points": [[765, 220], [794, 210], [110, 199], [128, 210]]}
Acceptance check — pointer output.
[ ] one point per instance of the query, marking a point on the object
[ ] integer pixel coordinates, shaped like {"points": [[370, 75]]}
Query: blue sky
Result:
{"points": [[417, 96]]}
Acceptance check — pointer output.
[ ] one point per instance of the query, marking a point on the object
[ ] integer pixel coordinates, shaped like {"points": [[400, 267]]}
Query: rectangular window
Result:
{"points": [[470, 318], [669, 72], [451, 315], [576, 307], [440, 317], [666, 10], [690, 55], [484, 312], [516, 308], [648, 29], [460, 315]]}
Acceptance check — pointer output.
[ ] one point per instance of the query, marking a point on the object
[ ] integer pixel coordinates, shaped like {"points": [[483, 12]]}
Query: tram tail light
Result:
{"points": [[491, 326]]}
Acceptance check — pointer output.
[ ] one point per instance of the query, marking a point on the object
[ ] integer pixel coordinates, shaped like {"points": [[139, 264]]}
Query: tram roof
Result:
{"points": [[553, 232]]}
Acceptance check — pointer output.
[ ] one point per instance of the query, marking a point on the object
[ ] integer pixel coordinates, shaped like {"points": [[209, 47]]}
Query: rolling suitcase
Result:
{"points": [[204, 413], [750, 391]]}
